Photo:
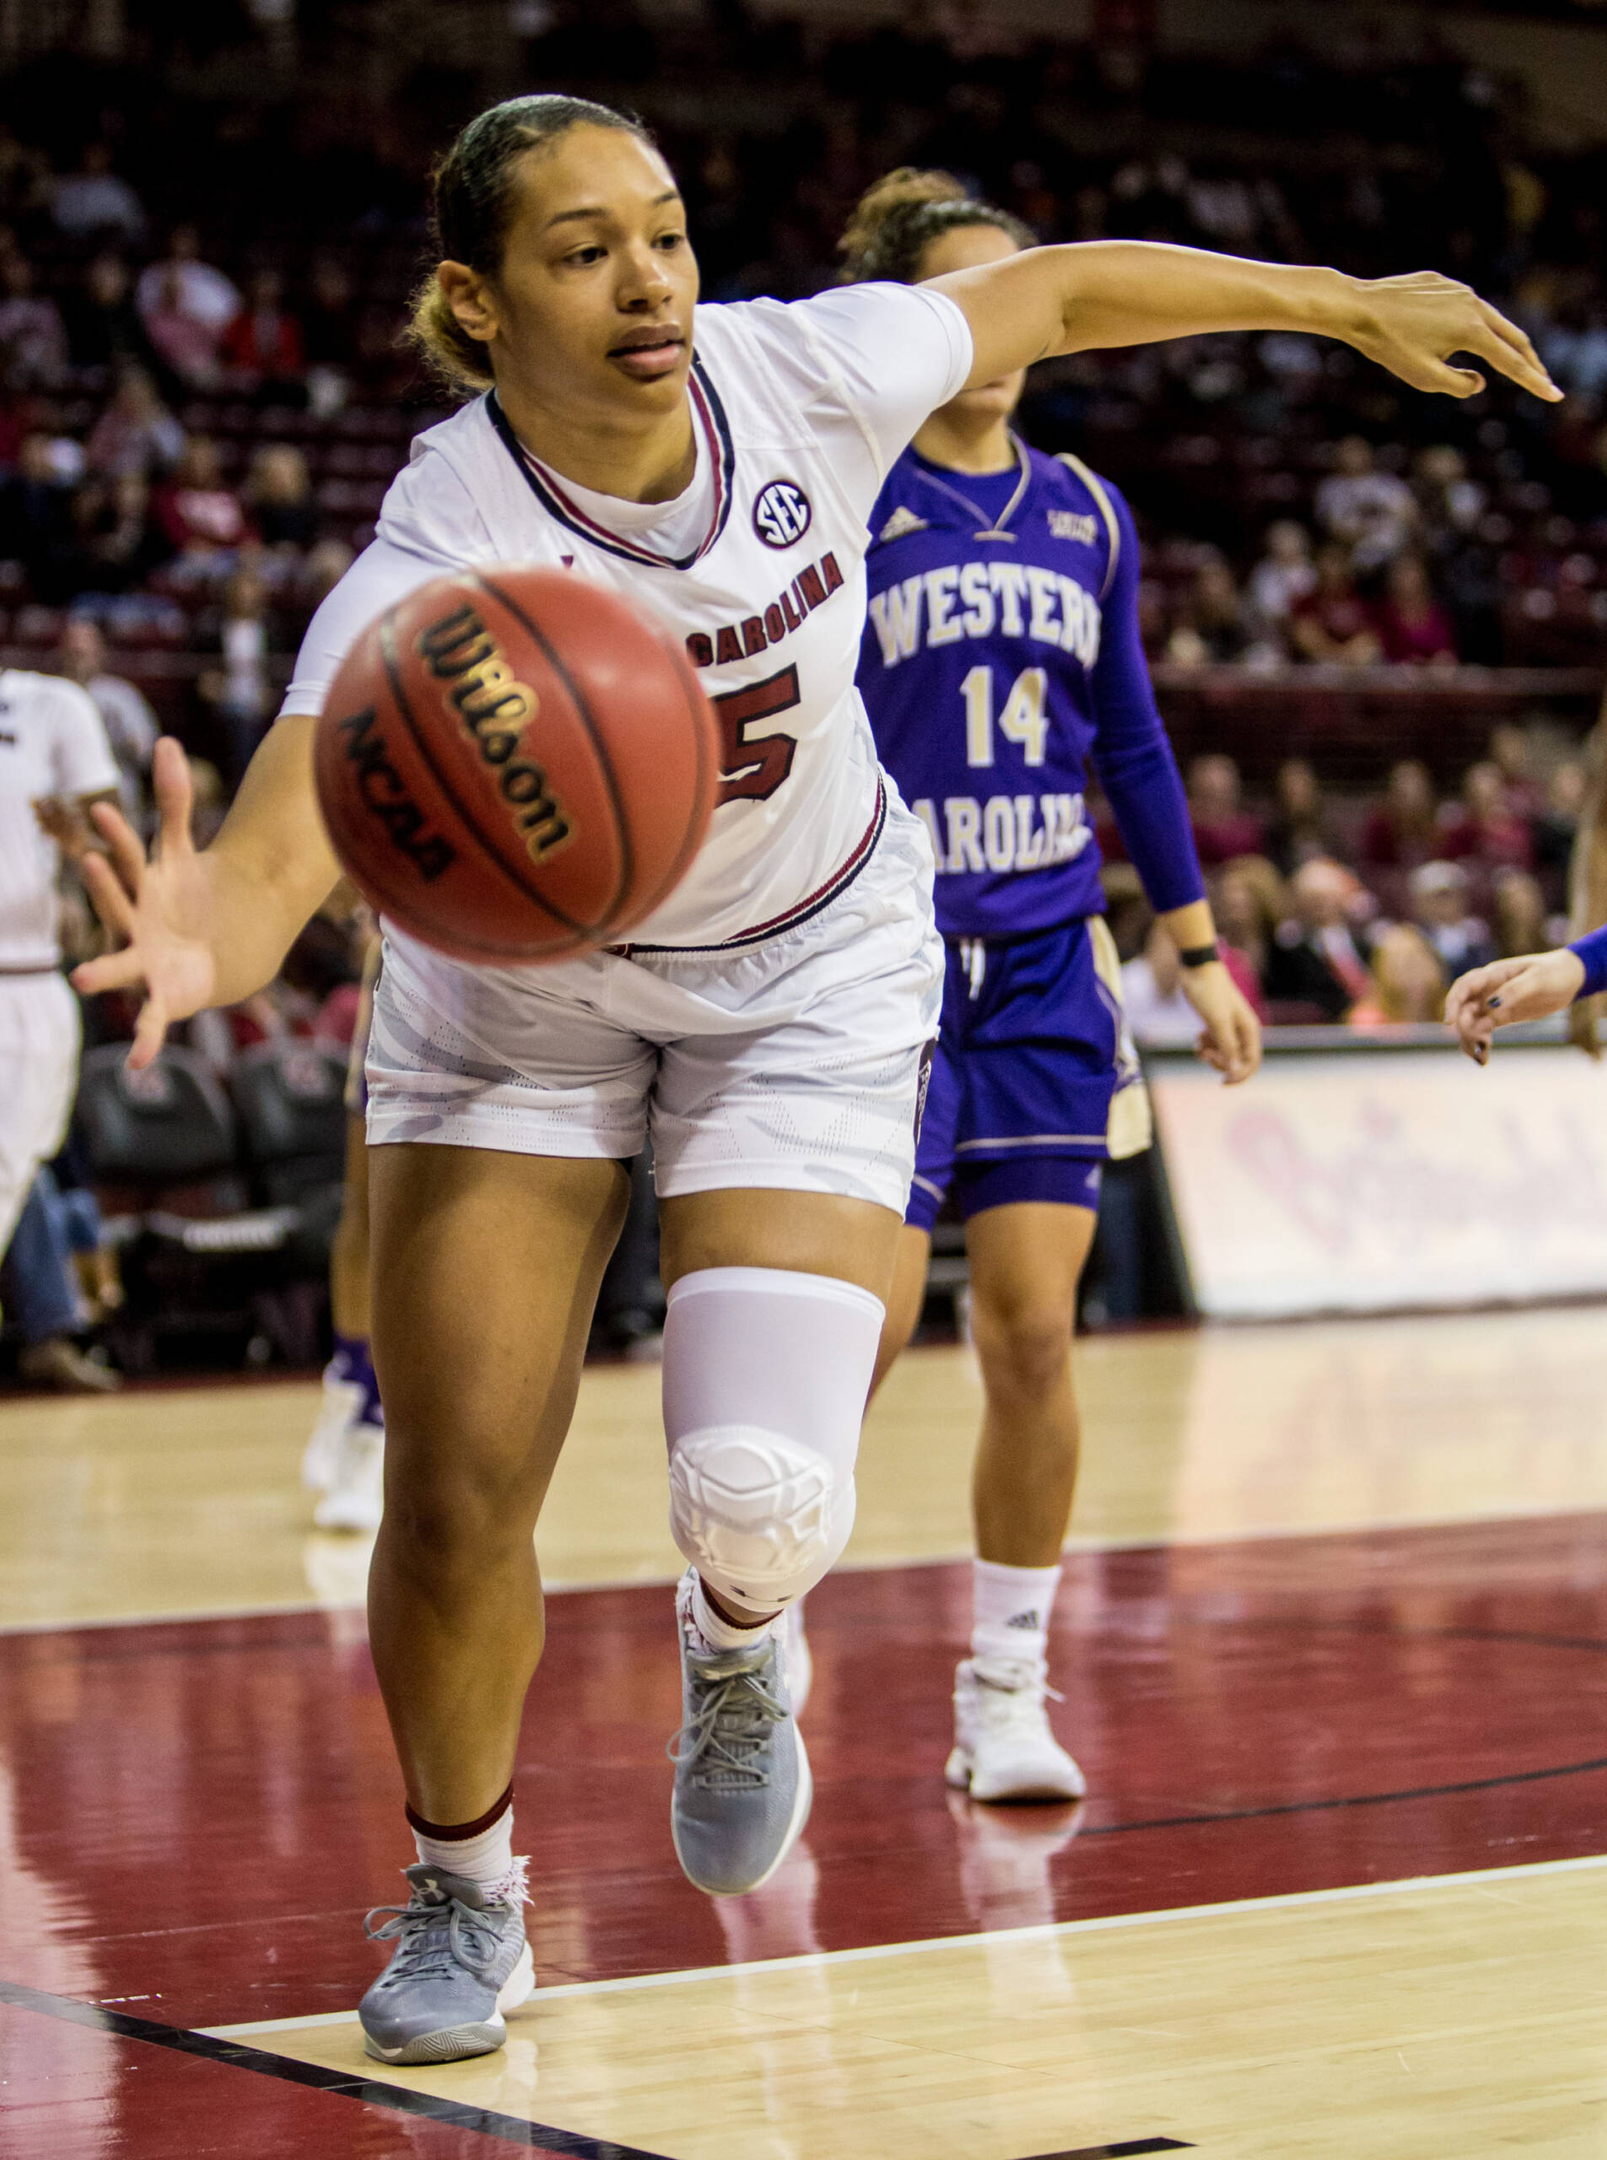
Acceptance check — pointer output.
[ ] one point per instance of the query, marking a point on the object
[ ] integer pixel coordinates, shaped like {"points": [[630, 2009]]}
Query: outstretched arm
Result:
{"points": [[210, 928], [1053, 300]]}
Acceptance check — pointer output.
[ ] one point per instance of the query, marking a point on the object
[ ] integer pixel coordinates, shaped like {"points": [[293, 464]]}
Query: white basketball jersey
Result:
{"points": [[52, 742], [758, 567]]}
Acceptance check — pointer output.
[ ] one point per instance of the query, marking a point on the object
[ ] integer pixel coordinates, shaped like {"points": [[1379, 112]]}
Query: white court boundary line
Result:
{"points": [[818, 1960]]}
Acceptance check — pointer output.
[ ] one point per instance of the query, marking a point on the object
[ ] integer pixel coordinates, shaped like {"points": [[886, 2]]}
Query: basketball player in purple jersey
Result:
{"points": [[1001, 666]]}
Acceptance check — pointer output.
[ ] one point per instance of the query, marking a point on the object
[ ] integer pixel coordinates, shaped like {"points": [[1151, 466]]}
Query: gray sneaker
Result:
{"points": [[742, 1783], [461, 1960]]}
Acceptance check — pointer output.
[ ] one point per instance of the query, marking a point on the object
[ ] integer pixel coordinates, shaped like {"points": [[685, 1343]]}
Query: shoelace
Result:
{"points": [[731, 1726], [435, 1936], [1022, 1705]]}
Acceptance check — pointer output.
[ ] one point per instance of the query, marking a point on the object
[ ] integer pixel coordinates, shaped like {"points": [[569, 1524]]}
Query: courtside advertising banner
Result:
{"points": [[1377, 1179]]}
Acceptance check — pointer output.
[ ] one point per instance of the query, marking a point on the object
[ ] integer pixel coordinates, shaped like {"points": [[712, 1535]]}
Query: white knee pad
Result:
{"points": [[759, 1516], [765, 1378]]}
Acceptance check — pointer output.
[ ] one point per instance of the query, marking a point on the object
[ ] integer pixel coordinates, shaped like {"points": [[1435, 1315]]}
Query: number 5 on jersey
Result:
{"points": [[752, 767], [1022, 721]]}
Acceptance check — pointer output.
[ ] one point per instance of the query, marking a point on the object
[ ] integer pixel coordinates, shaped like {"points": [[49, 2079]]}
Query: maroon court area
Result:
{"points": [[194, 1817]]}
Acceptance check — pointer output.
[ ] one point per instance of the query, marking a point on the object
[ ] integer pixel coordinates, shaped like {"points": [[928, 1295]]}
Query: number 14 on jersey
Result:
{"points": [[1022, 720]]}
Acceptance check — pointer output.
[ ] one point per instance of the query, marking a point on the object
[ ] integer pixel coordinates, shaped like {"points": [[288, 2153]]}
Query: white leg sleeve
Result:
{"points": [[765, 1378]]}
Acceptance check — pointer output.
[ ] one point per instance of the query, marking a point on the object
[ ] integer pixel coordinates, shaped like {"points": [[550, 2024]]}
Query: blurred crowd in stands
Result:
{"points": [[203, 399], [1364, 912]]}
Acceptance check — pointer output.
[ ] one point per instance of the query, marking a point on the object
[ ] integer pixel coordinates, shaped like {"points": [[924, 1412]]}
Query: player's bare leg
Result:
{"points": [[486, 1270], [776, 1305], [1026, 1260]]}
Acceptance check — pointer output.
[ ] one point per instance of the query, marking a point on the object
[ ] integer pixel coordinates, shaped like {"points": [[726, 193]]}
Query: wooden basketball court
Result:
{"points": [[1333, 1637]]}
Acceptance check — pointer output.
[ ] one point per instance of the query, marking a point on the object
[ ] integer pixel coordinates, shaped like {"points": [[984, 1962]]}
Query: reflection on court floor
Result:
{"points": [[1337, 1623]]}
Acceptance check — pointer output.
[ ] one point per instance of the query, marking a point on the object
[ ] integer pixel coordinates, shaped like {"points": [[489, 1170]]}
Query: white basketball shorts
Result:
{"points": [[794, 1063], [39, 1038]]}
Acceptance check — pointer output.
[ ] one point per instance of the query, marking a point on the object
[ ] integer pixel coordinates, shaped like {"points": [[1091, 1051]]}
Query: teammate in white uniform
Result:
{"points": [[54, 762], [768, 1023]]}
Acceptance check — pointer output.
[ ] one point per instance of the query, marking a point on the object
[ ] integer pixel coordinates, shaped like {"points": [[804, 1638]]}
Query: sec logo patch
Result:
{"points": [[782, 514]]}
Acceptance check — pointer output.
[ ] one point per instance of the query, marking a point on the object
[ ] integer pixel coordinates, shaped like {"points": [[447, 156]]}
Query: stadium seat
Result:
{"points": [[290, 1096]]}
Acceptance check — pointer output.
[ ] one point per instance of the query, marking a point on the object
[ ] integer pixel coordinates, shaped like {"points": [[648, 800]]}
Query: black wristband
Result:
{"points": [[1193, 956]]}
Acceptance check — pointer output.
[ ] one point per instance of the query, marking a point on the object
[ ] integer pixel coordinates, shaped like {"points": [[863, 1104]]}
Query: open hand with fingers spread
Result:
{"points": [[1413, 324], [1530, 987], [157, 908]]}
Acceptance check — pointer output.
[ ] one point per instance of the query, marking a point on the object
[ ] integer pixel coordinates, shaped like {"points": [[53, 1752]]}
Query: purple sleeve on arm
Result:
{"points": [[1131, 752], [1592, 951]]}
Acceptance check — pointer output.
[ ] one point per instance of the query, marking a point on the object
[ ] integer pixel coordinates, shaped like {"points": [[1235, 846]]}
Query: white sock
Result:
{"points": [[1010, 1609], [486, 1858], [717, 1631]]}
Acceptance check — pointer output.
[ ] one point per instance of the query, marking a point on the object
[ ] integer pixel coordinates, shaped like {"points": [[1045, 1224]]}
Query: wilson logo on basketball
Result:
{"points": [[782, 514], [384, 795], [494, 709]]}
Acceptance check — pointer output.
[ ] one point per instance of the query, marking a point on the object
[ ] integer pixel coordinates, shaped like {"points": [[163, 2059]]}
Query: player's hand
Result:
{"points": [[1531, 987], [1412, 325], [157, 909], [1231, 1041], [62, 818]]}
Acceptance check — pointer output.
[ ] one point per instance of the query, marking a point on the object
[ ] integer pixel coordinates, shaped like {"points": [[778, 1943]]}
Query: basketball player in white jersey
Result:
{"points": [[55, 764], [768, 1023]]}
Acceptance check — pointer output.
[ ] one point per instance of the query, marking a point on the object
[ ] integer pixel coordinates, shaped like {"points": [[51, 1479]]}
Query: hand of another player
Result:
{"points": [[1531, 987], [1232, 1038], [1413, 324], [62, 818], [158, 909]]}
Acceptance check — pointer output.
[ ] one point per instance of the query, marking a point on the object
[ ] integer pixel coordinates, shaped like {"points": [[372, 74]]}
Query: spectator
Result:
{"points": [[1247, 902], [200, 513], [1509, 749], [1284, 574], [263, 344], [241, 690], [1557, 823], [102, 323], [35, 509], [136, 433], [1370, 514], [1158, 1013], [33, 340], [1441, 907], [1315, 959], [1299, 829], [1222, 827], [186, 306], [1413, 629], [129, 721], [116, 543], [1213, 628], [42, 1297], [1405, 829], [1449, 504], [1485, 829], [331, 336], [279, 498], [1520, 915], [1407, 985], [1331, 622], [96, 203]]}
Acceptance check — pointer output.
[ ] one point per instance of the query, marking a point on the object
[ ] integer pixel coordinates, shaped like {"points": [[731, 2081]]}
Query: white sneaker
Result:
{"points": [[341, 1407], [800, 1664], [1003, 1748], [354, 1498]]}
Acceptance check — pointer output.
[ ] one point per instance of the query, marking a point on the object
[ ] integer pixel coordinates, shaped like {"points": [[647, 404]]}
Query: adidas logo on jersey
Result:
{"points": [[901, 522]]}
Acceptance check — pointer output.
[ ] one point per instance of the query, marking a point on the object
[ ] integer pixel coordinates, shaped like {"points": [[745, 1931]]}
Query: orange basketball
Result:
{"points": [[514, 765]]}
